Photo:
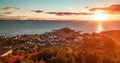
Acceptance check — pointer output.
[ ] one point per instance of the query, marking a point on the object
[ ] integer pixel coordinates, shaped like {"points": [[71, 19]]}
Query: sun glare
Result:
{"points": [[99, 11], [100, 17]]}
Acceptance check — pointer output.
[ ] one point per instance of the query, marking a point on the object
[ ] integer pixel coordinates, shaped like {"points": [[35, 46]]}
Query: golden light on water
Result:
{"points": [[99, 28], [99, 16]]}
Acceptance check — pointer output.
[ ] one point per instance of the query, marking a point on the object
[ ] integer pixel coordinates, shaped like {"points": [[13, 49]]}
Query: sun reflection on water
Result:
{"points": [[99, 27]]}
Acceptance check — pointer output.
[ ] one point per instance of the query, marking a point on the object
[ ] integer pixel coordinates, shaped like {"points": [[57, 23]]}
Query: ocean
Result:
{"points": [[12, 28]]}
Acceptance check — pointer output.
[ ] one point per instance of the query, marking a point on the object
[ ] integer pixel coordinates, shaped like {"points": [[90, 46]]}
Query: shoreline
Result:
{"points": [[9, 35]]}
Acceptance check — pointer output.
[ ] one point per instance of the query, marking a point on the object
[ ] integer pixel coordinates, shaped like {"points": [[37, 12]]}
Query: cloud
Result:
{"points": [[68, 13], [7, 13], [2, 15], [61, 13], [86, 7], [37, 11], [10, 8], [113, 9], [19, 18]]}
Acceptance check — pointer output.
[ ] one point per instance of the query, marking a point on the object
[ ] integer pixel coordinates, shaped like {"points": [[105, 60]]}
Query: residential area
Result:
{"points": [[41, 47]]}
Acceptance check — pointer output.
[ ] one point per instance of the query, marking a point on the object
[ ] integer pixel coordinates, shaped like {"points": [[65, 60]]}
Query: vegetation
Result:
{"points": [[68, 55]]}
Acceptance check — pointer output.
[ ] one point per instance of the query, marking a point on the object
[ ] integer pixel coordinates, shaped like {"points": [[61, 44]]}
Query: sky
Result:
{"points": [[52, 9]]}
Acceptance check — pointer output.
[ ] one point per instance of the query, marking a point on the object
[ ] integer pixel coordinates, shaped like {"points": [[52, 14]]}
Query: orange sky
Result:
{"points": [[54, 9]]}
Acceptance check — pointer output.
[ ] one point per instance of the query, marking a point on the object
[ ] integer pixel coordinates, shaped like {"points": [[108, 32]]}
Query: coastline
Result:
{"points": [[66, 40]]}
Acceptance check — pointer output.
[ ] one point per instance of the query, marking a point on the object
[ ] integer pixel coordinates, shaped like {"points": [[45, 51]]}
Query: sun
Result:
{"points": [[100, 17]]}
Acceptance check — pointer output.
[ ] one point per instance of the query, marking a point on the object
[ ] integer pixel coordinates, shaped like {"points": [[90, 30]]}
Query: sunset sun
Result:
{"points": [[99, 15]]}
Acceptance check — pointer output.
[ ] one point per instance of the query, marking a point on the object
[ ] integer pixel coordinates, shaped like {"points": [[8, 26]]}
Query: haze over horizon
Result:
{"points": [[56, 9]]}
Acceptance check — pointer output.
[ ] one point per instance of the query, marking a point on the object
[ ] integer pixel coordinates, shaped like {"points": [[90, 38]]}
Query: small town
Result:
{"points": [[17, 48]]}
